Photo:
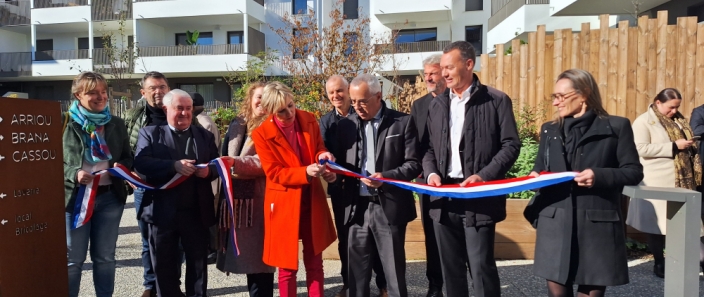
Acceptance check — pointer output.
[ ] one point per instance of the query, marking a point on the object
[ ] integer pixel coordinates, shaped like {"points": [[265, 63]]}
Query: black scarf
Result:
{"points": [[573, 130], [156, 115]]}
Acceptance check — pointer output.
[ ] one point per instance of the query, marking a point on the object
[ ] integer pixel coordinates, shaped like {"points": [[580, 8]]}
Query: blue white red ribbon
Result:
{"points": [[85, 199], [470, 191]]}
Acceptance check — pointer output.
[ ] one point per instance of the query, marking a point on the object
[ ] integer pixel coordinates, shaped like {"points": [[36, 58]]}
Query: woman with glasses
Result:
{"points": [[580, 235], [670, 158]]}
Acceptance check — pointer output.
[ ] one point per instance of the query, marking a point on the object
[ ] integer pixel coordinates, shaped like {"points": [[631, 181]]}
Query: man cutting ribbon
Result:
{"points": [[182, 213]]}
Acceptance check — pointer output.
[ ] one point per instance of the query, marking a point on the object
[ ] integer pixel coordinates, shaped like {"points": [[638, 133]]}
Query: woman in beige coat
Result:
{"points": [[670, 158]]}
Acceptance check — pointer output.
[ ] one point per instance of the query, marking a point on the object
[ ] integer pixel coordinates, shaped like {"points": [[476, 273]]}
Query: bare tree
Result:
{"points": [[117, 57]]}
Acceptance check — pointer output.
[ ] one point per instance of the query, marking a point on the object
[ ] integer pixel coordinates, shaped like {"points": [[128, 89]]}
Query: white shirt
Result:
{"points": [[457, 113]]}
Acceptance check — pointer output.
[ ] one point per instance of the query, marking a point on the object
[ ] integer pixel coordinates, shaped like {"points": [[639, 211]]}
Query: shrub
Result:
{"points": [[527, 121], [222, 118]]}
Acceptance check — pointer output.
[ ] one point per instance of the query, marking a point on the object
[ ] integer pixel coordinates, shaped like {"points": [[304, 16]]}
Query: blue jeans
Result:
{"points": [[101, 232], [149, 277]]}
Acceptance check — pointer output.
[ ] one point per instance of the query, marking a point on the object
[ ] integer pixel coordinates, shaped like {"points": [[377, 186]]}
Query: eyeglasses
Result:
{"points": [[154, 88], [561, 97], [361, 102]]}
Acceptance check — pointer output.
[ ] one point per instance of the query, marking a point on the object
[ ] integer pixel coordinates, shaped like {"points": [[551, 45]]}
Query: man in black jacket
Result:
{"points": [[419, 111], [379, 142], [473, 138], [337, 90]]}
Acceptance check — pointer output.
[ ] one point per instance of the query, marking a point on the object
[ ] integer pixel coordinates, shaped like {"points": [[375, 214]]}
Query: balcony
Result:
{"points": [[407, 58], [183, 59], [596, 7], [104, 60], [155, 9], [15, 13], [61, 62], [111, 10], [48, 12], [502, 9], [15, 64], [400, 11]]}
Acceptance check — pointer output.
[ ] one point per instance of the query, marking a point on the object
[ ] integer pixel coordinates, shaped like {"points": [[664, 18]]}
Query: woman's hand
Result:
{"points": [[683, 143], [585, 178], [534, 174], [326, 156], [329, 177], [83, 177], [314, 170]]}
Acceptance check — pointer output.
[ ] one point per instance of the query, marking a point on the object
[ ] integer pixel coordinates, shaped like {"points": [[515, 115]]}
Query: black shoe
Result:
{"points": [[659, 270], [212, 258], [434, 292]]}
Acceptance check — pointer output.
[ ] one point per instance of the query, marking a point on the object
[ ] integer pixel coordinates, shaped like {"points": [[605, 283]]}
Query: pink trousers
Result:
{"points": [[314, 272]]}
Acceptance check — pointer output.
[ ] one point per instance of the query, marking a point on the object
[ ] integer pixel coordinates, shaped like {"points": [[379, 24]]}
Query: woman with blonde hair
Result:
{"points": [[248, 181], [670, 158], [580, 235], [94, 140], [289, 145]]}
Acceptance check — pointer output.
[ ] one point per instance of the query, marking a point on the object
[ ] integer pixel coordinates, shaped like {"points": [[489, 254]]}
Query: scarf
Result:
{"points": [[93, 124], [688, 166], [156, 115], [573, 130]]}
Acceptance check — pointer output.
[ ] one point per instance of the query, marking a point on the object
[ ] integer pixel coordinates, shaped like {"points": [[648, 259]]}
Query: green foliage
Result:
{"points": [[509, 50], [222, 118], [192, 37], [527, 120], [634, 245]]}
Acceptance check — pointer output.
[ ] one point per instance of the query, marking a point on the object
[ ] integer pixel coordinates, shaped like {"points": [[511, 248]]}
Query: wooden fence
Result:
{"points": [[630, 64]]}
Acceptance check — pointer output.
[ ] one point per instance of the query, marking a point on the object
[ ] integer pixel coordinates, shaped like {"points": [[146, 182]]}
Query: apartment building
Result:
{"points": [[45, 43]]}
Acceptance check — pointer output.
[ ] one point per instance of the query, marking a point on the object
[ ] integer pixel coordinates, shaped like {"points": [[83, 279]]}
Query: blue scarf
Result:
{"points": [[93, 124]]}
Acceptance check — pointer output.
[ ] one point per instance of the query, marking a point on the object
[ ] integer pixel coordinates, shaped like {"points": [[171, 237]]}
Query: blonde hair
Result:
{"points": [[246, 112], [274, 96], [87, 81]]}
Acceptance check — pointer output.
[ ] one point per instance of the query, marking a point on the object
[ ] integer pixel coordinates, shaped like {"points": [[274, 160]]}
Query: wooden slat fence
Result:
{"points": [[631, 64]]}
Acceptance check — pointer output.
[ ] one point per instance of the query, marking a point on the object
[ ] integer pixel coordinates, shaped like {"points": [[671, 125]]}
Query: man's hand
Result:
{"points": [[326, 156], [203, 172], [373, 183], [470, 180], [83, 177], [185, 167], [585, 178], [434, 180], [534, 174], [329, 177]]}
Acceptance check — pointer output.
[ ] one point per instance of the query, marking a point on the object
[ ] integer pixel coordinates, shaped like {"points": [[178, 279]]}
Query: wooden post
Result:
{"points": [[602, 76], [622, 68], [540, 70], [661, 83], [532, 70], [523, 81], [584, 38], [691, 33], [631, 77], [500, 67], [642, 71], [699, 70], [612, 77]]}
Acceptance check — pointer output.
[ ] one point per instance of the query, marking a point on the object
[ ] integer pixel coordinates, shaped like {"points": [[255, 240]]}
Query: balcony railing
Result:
{"points": [[188, 50], [15, 64], [501, 9], [111, 10], [103, 60], [411, 47], [59, 3], [14, 13], [61, 55]]}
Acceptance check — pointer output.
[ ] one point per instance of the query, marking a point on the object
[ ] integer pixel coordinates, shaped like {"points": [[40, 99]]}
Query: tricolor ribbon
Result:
{"points": [[474, 190], [85, 199]]}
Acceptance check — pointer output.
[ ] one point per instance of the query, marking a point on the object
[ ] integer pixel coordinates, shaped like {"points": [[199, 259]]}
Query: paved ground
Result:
{"points": [[516, 276]]}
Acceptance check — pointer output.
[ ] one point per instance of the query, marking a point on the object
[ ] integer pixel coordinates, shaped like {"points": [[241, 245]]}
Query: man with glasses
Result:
{"points": [[148, 112], [380, 143], [473, 139]]}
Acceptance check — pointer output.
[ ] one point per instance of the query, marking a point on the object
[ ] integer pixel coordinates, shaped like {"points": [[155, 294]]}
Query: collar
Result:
{"points": [[177, 131], [349, 112], [466, 92], [378, 113]]}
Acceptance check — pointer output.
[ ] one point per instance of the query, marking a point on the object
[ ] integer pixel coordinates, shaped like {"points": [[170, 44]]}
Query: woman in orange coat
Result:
{"points": [[289, 145]]}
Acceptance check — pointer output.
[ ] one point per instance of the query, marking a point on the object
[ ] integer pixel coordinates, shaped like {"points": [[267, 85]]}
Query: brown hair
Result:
{"points": [[246, 112], [154, 75], [87, 81], [667, 94], [584, 83]]}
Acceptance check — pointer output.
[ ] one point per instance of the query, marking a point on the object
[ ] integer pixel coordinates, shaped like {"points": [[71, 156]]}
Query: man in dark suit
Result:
{"points": [[419, 111], [379, 142], [473, 138], [183, 213], [337, 90]]}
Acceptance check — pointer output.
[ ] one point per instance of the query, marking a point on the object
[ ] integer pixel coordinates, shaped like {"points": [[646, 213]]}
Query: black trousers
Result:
{"points": [[433, 268], [372, 238], [164, 249], [467, 249], [338, 211], [260, 284]]}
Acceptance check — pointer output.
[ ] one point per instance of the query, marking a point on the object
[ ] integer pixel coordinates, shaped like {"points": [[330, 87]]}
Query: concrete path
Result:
{"points": [[516, 276]]}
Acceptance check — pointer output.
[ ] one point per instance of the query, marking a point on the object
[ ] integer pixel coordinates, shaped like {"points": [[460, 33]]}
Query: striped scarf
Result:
{"points": [[93, 124]]}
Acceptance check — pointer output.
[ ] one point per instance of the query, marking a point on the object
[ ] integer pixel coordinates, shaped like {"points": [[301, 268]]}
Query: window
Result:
{"points": [[206, 90], [350, 42], [45, 45], [471, 5], [130, 41], [473, 35], [235, 37], [350, 9], [417, 35], [97, 43], [300, 6], [204, 38], [301, 46]]}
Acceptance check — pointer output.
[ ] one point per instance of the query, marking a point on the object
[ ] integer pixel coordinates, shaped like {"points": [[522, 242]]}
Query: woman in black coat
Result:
{"points": [[580, 237]]}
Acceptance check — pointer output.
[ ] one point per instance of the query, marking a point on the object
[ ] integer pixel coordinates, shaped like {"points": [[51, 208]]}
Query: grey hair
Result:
{"points": [[432, 60], [345, 84], [466, 49], [171, 95], [371, 81]]}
